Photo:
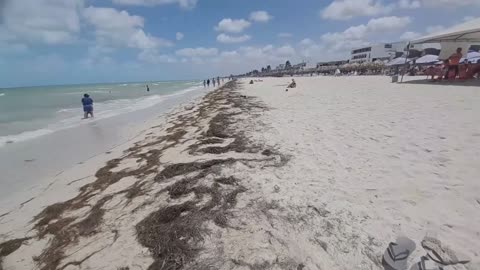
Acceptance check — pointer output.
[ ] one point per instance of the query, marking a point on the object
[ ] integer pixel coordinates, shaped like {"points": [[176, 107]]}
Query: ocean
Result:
{"points": [[42, 132], [29, 112]]}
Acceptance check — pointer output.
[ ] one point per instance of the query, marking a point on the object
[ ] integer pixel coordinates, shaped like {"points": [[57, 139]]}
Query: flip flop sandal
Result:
{"points": [[442, 254], [426, 264], [397, 253]]}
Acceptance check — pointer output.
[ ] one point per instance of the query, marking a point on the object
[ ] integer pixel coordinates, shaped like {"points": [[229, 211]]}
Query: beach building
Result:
{"points": [[332, 63], [380, 51]]}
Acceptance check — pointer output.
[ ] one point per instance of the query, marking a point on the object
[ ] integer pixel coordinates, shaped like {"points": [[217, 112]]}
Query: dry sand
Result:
{"points": [[323, 176]]}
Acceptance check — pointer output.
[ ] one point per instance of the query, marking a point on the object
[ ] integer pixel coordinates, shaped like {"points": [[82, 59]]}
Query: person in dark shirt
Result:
{"points": [[87, 103], [208, 82]]}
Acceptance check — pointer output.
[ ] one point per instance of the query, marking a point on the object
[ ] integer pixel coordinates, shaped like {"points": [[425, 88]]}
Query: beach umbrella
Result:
{"points": [[471, 57], [427, 59], [473, 54], [475, 60], [397, 61]]}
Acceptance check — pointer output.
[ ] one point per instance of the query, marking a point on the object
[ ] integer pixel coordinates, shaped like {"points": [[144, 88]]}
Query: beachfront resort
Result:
{"points": [[429, 55]]}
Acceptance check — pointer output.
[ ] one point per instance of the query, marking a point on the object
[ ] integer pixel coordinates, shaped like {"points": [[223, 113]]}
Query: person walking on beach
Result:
{"points": [[204, 83], [218, 81], [213, 81], [148, 89], [87, 103], [208, 82], [454, 62]]}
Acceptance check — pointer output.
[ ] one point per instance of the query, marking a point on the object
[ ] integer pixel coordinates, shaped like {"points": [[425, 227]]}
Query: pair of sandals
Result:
{"points": [[438, 256]]}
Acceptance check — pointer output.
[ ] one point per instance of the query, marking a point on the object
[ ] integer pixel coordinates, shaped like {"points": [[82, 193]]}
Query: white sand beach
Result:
{"points": [[323, 176]]}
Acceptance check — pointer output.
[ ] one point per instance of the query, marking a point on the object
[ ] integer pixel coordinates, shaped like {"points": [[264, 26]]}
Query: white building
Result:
{"points": [[381, 51]]}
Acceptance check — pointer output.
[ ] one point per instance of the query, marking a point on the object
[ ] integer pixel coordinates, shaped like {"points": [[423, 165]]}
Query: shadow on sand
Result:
{"points": [[472, 82]]}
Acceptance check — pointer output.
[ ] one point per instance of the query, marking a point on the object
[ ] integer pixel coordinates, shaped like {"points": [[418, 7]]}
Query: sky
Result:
{"points": [[45, 42]]}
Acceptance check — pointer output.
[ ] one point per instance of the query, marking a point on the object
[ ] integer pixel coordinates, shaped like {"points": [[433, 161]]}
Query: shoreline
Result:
{"points": [[323, 176], [26, 165], [141, 172]]}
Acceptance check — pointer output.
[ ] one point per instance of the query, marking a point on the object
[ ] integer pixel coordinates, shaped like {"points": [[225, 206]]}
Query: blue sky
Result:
{"points": [[85, 41]]}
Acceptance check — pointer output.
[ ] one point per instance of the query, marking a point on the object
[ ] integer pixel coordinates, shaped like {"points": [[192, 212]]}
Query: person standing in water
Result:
{"points": [[204, 83], [87, 103], [218, 81], [208, 82], [148, 89], [213, 81]]}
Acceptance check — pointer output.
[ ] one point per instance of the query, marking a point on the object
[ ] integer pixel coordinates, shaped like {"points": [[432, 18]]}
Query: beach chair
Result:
{"points": [[462, 72], [472, 70], [451, 75], [439, 72]]}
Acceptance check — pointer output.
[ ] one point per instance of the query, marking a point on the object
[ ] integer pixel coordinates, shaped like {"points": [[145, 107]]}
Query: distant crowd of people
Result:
{"points": [[87, 101], [453, 67], [213, 81]]}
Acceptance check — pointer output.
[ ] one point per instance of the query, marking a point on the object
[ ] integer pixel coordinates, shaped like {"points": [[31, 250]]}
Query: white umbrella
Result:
{"points": [[471, 56], [397, 61], [427, 59]]}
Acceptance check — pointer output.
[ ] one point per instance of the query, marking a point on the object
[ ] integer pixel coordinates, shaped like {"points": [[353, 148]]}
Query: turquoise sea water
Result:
{"points": [[30, 112]]}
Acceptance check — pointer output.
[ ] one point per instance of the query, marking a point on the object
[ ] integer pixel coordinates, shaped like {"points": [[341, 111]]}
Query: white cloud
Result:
{"points": [[248, 57], [251, 57], [153, 56], [224, 38], [46, 21], [468, 18], [435, 28], [232, 26], [357, 36], [285, 51], [348, 9], [386, 24], [182, 3], [414, 4], [306, 42], [268, 52], [315, 52], [229, 54], [284, 35], [407, 36], [120, 29], [450, 3], [197, 52], [179, 36], [260, 16], [410, 4]]}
